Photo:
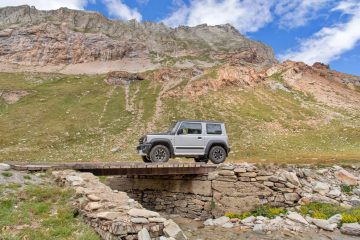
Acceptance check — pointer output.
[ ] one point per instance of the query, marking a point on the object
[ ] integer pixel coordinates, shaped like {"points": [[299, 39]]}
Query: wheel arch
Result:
{"points": [[165, 142], [216, 143]]}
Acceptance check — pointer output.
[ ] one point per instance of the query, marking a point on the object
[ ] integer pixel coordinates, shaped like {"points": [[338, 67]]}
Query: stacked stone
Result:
{"points": [[113, 214]]}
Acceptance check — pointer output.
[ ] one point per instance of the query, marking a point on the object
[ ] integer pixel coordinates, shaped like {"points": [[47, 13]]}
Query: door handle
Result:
{"points": [[199, 137]]}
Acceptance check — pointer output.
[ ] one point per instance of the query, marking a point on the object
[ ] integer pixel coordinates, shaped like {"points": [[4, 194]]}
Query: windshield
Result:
{"points": [[173, 127]]}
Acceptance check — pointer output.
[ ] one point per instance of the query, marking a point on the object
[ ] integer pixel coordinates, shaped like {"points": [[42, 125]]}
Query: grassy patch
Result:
{"points": [[265, 211], [41, 212], [6, 174], [326, 210]]}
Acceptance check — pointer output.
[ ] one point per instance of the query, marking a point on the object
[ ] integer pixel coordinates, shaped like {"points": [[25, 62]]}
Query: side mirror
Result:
{"points": [[180, 131]]}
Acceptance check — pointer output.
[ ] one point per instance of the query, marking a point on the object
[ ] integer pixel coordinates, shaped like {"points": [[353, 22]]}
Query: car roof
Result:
{"points": [[202, 121]]}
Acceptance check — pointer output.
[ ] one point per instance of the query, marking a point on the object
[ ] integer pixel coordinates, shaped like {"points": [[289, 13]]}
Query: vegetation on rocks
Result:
{"points": [[265, 211], [326, 210], [40, 212]]}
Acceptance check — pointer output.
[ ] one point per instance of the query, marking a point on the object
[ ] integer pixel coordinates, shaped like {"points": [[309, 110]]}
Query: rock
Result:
{"points": [[248, 174], [291, 177], [356, 191], [136, 212], [144, 234], [109, 215], [239, 170], [334, 193], [296, 217], [93, 206], [157, 220], [74, 178], [115, 149], [139, 220], [93, 198], [268, 184], [273, 179], [350, 229], [291, 197], [226, 173], [228, 225], [221, 221], [321, 188], [322, 171], [335, 219], [324, 224], [171, 229], [4, 167], [247, 220], [209, 222], [259, 228], [355, 201], [346, 177]]}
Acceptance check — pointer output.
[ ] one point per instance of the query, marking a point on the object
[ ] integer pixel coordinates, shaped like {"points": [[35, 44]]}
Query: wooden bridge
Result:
{"points": [[99, 168]]}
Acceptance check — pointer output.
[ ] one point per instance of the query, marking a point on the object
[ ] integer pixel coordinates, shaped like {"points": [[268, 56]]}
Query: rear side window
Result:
{"points": [[213, 129], [191, 128]]}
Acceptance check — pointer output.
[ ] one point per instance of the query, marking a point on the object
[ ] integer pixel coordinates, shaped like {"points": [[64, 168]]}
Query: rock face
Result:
{"points": [[30, 36]]}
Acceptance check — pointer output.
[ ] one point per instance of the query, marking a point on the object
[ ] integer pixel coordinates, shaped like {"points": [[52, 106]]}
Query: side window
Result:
{"points": [[213, 129], [190, 128]]}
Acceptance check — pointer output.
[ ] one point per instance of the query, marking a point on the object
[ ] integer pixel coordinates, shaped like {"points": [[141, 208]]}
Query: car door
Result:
{"points": [[189, 139]]}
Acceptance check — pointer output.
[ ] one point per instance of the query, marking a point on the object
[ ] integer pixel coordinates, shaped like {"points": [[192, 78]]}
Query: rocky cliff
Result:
{"points": [[64, 36]]}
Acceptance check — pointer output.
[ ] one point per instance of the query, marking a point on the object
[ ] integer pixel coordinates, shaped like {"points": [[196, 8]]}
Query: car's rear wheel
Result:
{"points": [[159, 154], [146, 159], [217, 154]]}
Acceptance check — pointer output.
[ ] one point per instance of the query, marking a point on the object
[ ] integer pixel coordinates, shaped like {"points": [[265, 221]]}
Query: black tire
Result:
{"points": [[217, 154], [146, 159], [159, 154], [201, 159]]}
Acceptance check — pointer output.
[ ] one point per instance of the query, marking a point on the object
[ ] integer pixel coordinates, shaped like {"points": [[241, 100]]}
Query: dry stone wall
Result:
{"points": [[114, 215], [239, 188]]}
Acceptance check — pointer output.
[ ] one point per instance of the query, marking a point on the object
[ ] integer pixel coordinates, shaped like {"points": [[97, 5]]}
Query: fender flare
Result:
{"points": [[160, 141], [216, 142]]}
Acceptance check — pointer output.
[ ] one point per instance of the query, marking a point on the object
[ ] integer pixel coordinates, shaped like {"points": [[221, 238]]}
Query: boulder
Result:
{"points": [[157, 220], [334, 193], [346, 177], [259, 228], [248, 220], [4, 167], [144, 234], [109, 215], [228, 225], [139, 220], [171, 229], [335, 219], [291, 177], [356, 191], [321, 188], [221, 221], [324, 224], [296, 217], [355, 201], [136, 212], [93, 198], [209, 222], [350, 229], [93, 206]]}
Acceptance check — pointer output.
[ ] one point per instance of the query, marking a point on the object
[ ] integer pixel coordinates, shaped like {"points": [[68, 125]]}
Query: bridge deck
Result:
{"points": [[98, 168]]}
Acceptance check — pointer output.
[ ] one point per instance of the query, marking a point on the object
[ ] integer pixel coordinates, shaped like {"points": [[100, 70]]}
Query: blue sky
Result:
{"points": [[303, 30]]}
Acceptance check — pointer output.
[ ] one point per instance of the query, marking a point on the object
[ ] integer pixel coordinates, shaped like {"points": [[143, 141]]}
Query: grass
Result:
{"points": [[264, 210], [41, 212], [81, 118], [326, 210], [6, 174]]}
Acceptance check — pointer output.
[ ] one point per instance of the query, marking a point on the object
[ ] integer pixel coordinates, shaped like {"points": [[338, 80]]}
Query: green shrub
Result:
{"points": [[27, 177], [346, 188], [348, 218]]}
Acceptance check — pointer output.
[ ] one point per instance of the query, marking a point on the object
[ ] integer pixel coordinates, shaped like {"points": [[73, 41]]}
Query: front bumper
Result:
{"points": [[143, 149]]}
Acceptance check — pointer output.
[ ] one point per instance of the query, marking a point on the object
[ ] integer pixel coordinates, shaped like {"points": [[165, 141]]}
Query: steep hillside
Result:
{"points": [[29, 36], [269, 118]]}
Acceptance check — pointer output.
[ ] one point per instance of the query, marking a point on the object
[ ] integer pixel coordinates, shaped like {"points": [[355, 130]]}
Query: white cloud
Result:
{"points": [[330, 42], [245, 15], [47, 4], [117, 9], [297, 13]]}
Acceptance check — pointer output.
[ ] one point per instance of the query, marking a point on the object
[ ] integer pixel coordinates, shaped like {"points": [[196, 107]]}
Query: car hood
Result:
{"points": [[164, 133]]}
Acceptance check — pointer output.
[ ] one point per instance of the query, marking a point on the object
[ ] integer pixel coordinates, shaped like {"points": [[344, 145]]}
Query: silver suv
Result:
{"points": [[201, 140]]}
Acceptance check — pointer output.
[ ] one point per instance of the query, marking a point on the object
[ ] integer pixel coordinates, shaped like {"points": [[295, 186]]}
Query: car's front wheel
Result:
{"points": [[217, 154], [159, 154]]}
